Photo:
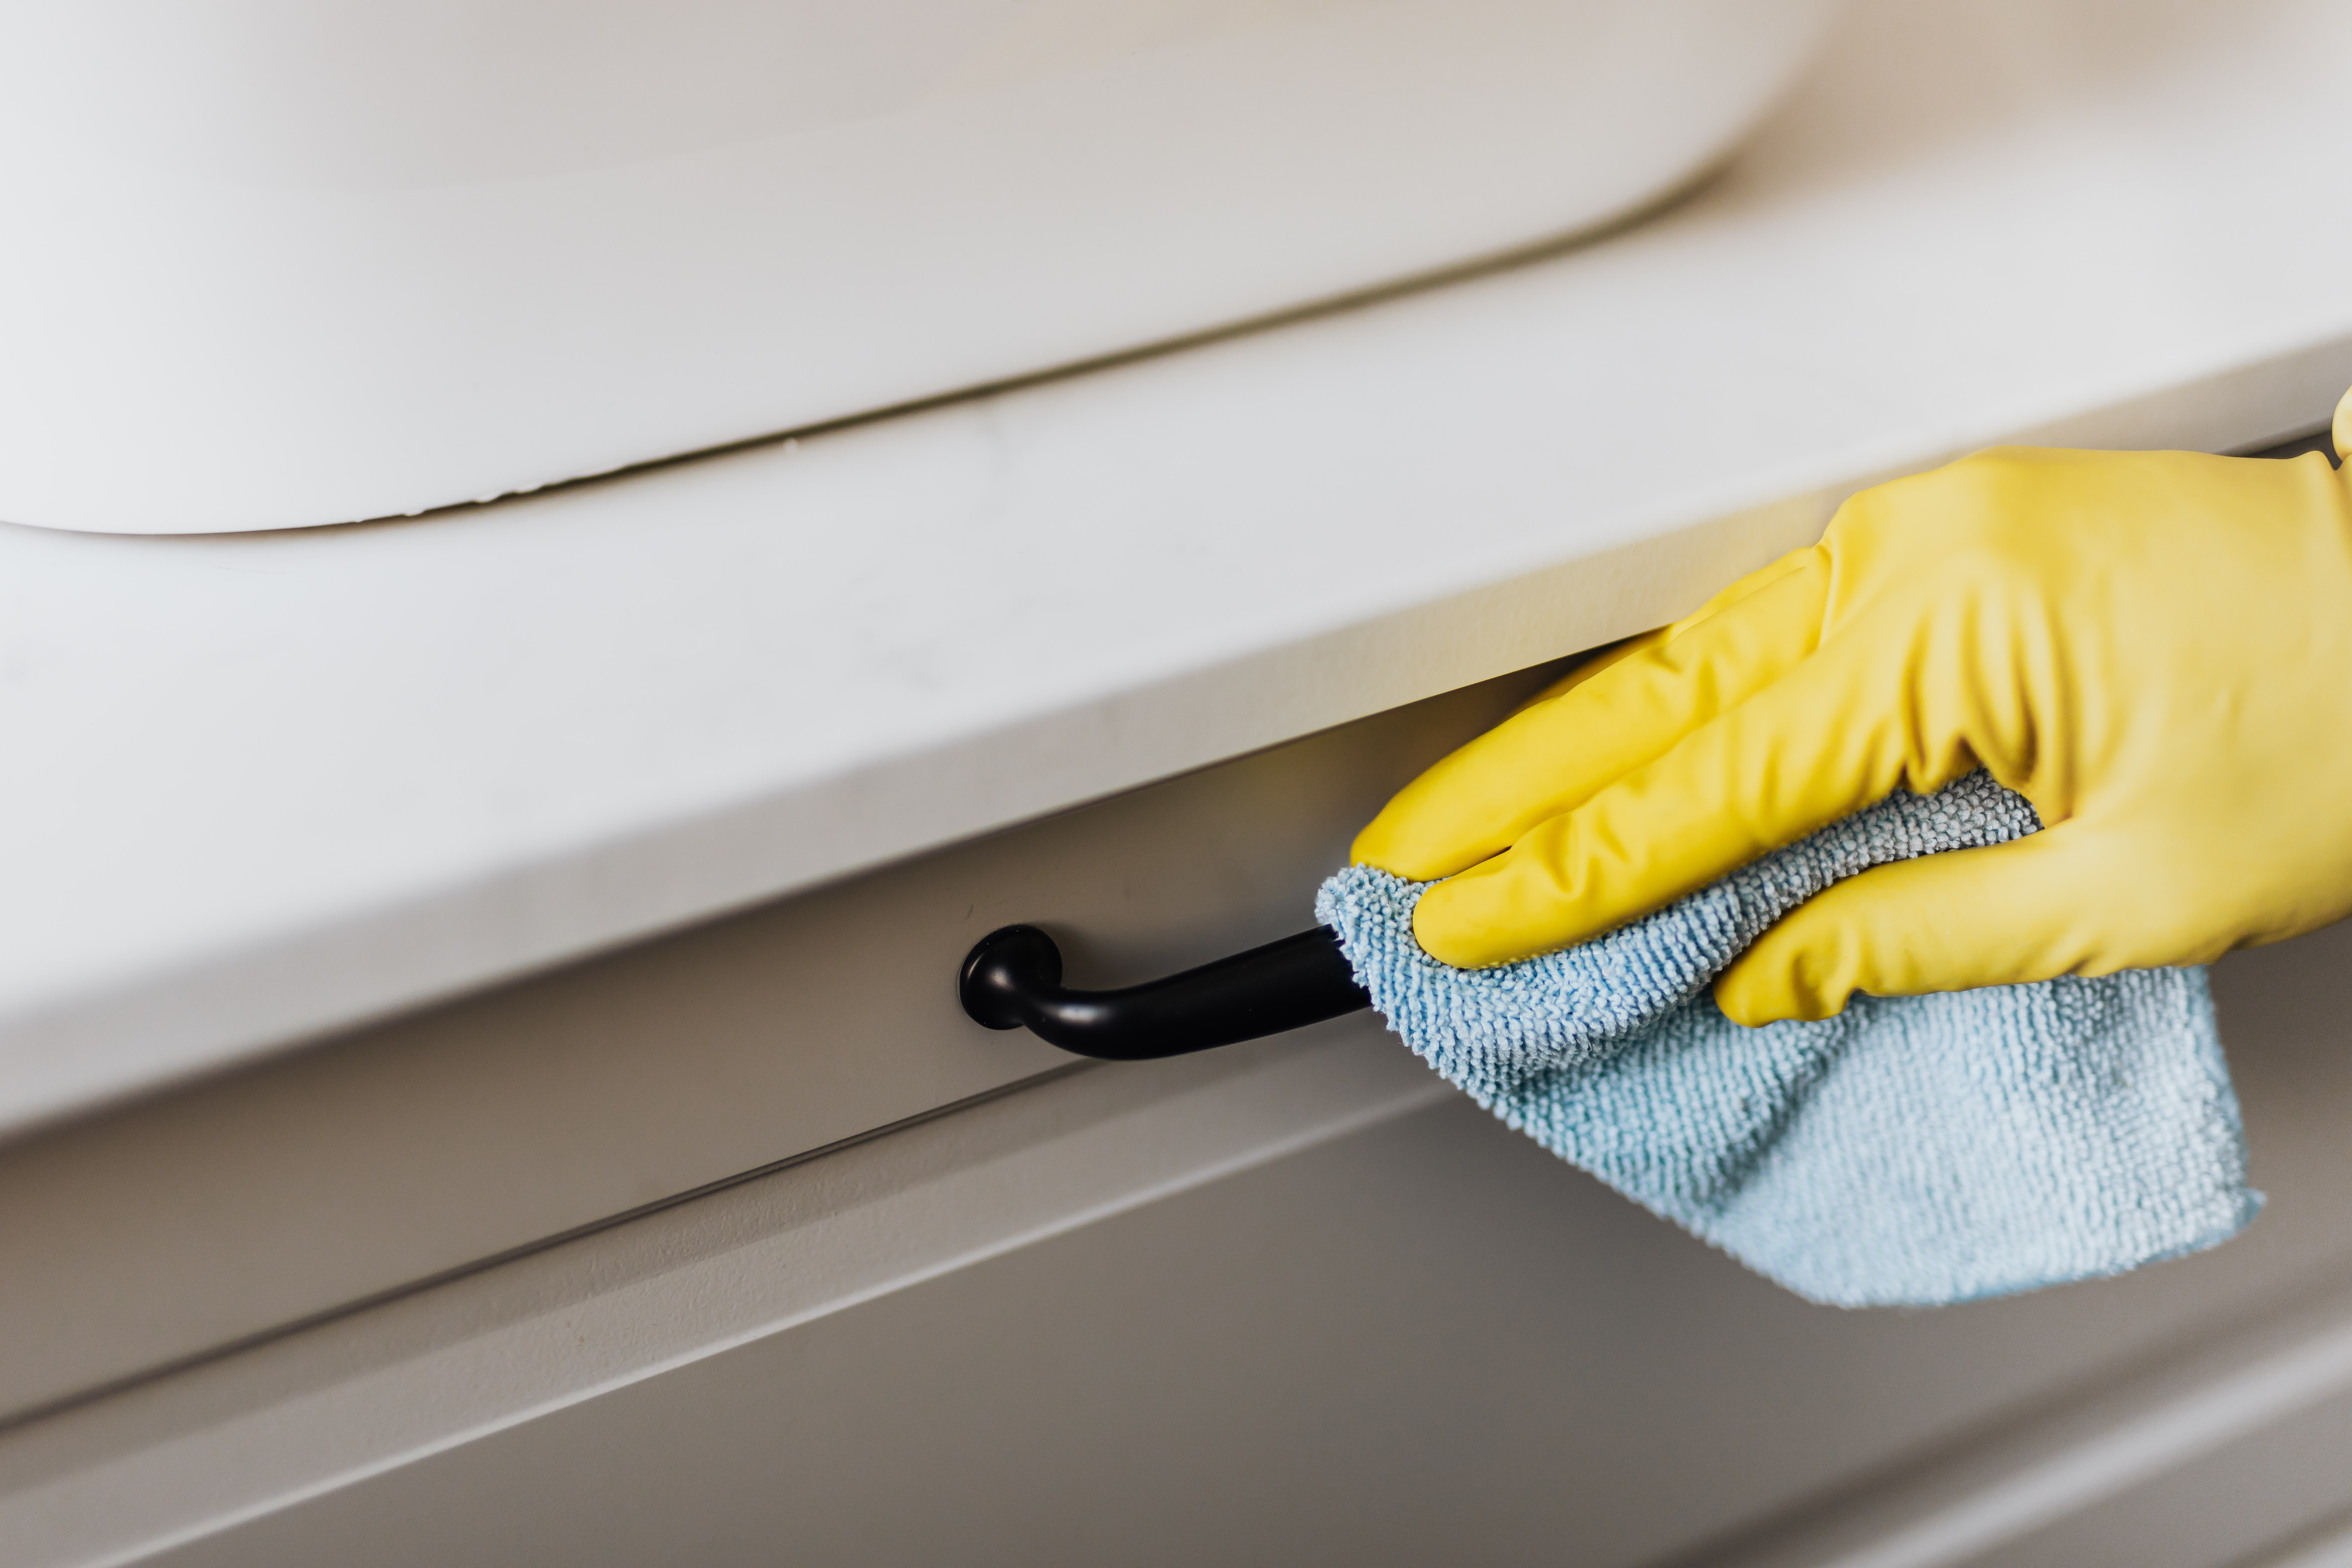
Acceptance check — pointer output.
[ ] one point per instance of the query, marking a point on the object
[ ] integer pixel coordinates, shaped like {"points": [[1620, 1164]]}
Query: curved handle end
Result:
{"points": [[1004, 967]]}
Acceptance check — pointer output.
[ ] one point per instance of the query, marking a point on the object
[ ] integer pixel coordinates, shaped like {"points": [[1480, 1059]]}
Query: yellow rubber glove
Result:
{"points": [[2155, 648]]}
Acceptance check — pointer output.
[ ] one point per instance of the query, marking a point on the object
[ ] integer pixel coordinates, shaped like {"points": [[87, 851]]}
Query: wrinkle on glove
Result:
{"points": [[1912, 1150]]}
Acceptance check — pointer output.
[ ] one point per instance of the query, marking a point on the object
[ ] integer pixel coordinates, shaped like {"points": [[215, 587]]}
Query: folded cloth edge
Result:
{"points": [[1557, 1044]]}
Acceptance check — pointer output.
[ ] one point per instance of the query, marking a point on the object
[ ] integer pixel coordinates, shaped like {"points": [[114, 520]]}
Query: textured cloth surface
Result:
{"points": [[1912, 1150]]}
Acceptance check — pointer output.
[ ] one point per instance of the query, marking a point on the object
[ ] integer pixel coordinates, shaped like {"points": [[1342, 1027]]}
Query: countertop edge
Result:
{"points": [[236, 1005]]}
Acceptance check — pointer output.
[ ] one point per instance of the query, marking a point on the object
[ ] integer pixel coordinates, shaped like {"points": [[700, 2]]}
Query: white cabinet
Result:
{"points": [[603, 1269], [396, 1171]]}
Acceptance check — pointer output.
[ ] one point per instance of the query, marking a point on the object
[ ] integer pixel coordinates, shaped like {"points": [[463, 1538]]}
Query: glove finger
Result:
{"points": [[1837, 733], [1615, 653], [1554, 755], [1762, 577], [1996, 916]]}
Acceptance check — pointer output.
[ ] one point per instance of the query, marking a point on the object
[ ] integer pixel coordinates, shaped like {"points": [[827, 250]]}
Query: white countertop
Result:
{"points": [[260, 786]]}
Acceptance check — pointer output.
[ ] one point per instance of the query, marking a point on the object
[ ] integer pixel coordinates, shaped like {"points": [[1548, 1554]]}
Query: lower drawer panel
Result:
{"points": [[1431, 1342]]}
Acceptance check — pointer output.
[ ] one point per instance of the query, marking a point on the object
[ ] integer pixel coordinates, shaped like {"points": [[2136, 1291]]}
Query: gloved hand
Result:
{"points": [[2155, 648]]}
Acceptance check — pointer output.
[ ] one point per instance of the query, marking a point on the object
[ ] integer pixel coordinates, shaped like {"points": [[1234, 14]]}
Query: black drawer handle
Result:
{"points": [[1014, 978]]}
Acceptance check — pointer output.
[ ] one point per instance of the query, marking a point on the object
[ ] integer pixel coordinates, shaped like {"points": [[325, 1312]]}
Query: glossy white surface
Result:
{"points": [[262, 786], [273, 263]]}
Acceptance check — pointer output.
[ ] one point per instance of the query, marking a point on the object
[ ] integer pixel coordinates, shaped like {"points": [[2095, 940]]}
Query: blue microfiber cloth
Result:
{"points": [[1912, 1150]]}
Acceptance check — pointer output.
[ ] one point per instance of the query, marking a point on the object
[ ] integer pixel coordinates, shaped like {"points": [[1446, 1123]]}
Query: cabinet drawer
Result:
{"points": [[1428, 1343], [434, 1141]]}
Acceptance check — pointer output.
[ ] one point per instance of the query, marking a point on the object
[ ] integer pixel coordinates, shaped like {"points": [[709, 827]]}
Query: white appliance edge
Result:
{"points": [[272, 264]]}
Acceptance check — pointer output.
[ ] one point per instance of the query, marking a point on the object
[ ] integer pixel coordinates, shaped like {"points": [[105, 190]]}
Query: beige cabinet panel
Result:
{"points": [[1429, 1343]]}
